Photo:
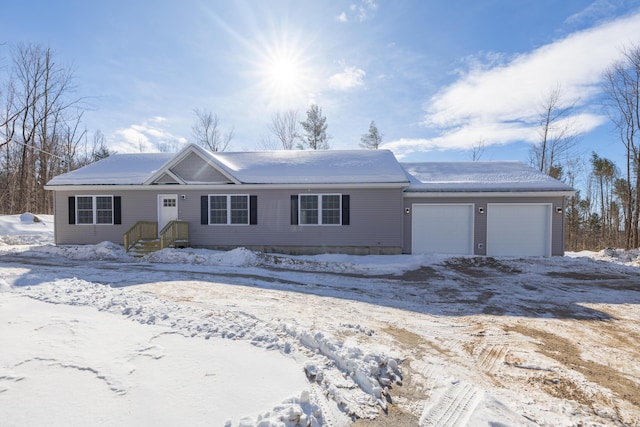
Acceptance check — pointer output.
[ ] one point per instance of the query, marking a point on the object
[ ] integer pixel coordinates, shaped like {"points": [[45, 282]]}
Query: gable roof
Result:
{"points": [[496, 176], [195, 165], [269, 167]]}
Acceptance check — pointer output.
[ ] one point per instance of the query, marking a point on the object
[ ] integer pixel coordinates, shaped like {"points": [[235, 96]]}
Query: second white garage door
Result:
{"points": [[442, 228], [519, 229]]}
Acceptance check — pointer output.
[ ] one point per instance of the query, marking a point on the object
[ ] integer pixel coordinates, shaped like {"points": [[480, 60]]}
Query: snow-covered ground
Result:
{"points": [[91, 336]]}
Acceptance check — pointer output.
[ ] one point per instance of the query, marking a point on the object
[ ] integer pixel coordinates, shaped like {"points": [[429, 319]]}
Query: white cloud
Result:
{"points": [[595, 10], [349, 78], [500, 103], [359, 11], [146, 137]]}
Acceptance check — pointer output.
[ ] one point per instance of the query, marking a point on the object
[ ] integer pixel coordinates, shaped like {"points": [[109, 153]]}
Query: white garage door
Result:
{"points": [[519, 229], [445, 229]]}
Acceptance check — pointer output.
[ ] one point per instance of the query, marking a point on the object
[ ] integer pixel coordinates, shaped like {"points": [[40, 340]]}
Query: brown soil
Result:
{"points": [[568, 355]]}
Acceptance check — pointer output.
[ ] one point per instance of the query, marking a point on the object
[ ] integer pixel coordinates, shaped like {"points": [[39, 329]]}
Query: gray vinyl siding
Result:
{"points": [[375, 220], [194, 169], [166, 179], [480, 220], [136, 206]]}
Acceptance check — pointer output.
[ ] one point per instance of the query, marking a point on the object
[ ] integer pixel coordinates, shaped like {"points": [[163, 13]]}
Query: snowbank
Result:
{"points": [[26, 229]]}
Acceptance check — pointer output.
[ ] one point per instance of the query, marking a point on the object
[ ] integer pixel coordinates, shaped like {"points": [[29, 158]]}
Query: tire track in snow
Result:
{"points": [[453, 407], [491, 355]]}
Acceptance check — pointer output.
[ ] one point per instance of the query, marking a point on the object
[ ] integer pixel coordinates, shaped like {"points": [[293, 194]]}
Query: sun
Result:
{"points": [[284, 79], [284, 72], [285, 76]]}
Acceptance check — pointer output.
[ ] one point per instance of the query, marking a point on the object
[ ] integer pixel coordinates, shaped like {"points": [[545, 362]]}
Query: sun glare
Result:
{"points": [[285, 76]]}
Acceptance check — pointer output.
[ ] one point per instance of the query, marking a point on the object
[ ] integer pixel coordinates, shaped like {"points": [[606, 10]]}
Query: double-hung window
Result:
{"points": [[94, 210], [320, 209], [229, 209]]}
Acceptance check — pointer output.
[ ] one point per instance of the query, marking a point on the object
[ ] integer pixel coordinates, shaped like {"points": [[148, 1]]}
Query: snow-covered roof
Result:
{"points": [[312, 167], [496, 176], [320, 167], [120, 169], [269, 167]]}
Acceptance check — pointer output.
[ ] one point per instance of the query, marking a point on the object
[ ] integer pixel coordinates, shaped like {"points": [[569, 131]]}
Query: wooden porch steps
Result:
{"points": [[144, 247], [141, 238]]}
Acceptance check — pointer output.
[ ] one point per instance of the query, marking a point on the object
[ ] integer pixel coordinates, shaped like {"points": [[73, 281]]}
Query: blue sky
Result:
{"points": [[437, 76]]}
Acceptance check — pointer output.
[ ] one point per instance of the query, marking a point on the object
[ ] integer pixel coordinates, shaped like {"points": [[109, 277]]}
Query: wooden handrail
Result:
{"points": [[173, 232], [141, 230]]}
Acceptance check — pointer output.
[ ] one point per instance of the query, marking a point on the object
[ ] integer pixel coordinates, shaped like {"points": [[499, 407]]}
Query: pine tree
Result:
{"points": [[372, 139], [315, 128]]}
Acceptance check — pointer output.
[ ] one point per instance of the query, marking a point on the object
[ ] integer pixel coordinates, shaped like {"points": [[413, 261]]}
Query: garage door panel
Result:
{"points": [[445, 228], [519, 229]]}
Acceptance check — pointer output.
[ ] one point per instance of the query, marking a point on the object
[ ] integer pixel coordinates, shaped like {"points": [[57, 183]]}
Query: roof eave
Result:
{"points": [[488, 193], [225, 186]]}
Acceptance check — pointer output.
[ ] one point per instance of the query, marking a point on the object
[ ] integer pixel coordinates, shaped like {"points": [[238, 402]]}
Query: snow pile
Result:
{"points": [[26, 229], [619, 256], [239, 257], [372, 373], [350, 264], [101, 251]]}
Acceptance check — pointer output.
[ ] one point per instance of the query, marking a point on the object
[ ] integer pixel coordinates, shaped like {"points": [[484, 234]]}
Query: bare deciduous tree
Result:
{"points": [[558, 133], [285, 127], [39, 118], [207, 132], [477, 150]]}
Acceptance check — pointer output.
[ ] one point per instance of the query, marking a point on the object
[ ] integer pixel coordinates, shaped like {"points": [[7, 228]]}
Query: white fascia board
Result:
{"points": [[434, 194], [209, 187]]}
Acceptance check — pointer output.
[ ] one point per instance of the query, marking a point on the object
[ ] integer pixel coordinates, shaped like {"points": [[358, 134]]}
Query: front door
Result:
{"points": [[167, 209]]}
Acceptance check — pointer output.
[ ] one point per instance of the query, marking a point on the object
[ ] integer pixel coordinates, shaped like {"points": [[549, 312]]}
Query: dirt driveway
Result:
{"points": [[537, 332]]}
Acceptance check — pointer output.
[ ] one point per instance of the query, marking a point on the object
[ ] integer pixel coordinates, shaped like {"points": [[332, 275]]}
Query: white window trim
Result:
{"points": [[94, 209], [228, 196], [320, 197]]}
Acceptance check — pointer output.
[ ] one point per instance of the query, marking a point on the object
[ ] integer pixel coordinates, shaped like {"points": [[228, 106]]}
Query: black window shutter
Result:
{"points": [[72, 210], [117, 210], [204, 210], [294, 210], [253, 210], [345, 209]]}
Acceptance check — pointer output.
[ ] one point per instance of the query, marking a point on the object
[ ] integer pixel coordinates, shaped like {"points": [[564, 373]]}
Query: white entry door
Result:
{"points": [[442, 228], [167, 209]]}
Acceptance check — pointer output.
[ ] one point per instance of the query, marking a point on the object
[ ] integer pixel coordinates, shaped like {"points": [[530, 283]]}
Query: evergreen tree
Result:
{"points": [[315, 128], [372, 139]]}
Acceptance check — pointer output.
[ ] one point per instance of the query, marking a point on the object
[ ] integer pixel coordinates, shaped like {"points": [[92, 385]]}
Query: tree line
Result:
{"points": [[40, 129], [606, 212]]}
